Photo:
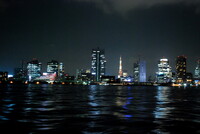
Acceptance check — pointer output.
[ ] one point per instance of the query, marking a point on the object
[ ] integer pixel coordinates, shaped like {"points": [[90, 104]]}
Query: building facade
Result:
{"points": [[98, 66], [136, 72], [55, 67], [139, 71], [34, 69], [83, 75], [197, 70], [164, 74], [181, 69], [3, 76], [20, 73]]}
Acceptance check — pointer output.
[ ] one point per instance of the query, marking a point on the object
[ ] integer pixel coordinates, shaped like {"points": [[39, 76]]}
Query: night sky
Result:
{"points": [[67, 31]]}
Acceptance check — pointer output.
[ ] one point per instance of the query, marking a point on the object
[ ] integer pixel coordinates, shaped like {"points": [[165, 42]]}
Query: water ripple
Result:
{"points": [[99, 109]]}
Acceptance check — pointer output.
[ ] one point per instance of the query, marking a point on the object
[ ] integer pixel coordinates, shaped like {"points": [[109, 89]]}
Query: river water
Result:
{"points": [[49, 109]]}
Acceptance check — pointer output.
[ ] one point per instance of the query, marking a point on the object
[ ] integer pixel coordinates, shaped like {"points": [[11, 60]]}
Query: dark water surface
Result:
{"points": [[33, 109]]}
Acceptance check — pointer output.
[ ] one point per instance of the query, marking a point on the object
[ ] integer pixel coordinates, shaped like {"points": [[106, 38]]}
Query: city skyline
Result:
{"points": [[67, 30], [25, 64]]}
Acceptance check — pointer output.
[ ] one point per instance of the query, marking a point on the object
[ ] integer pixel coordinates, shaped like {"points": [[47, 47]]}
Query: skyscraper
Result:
{"points": [[139, 71], [98, 67], [52, 66], [164, 74], [61, 70], [197, 70], [181, 69], [55, 67], [34, 69], [136, 72], [21, 72], [120, 68], [142, 71]]}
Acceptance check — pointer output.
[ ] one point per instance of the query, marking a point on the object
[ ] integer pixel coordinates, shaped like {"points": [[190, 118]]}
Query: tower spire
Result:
{"points": [[120, 68]]}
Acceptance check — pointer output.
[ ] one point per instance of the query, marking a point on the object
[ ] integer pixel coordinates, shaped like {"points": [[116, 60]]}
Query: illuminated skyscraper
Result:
{"points": [[181, 69], [142, 71], [55, 67], [197, 70], [139, 71], [61, 70], [136, 72], [164, 74], [98, 67], [52, 66], [34, 69], [120, 68]]}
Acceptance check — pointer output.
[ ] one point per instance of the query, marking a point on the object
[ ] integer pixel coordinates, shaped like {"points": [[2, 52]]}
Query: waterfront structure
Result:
{"points": [[3, 76], [83, 76], [125, 73], [164, 74], [181, 69], [20, 73], [189, 78], [98, 66], [139, 71], [69, 79], [47, 77], [34, 69], [78, 73], [108, 79], [197, 70], [120, 75], [55, 67]]}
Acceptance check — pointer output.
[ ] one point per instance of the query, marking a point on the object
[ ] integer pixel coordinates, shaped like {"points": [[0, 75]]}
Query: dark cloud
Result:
{"points": [[123, 6], [3, 5], [67, 30]]}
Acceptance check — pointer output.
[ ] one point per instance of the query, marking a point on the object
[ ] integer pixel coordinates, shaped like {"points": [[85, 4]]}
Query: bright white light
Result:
{"points": [[45, 73], [160, 73], [10, 75], [163, 59]]}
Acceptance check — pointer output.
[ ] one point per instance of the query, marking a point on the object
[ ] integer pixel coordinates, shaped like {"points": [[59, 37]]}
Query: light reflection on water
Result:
{"points": [[99, 109], [162, 110]]}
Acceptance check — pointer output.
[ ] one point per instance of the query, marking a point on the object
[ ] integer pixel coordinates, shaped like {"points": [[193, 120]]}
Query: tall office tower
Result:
{"points": [[34, 69], [164, 74], [139, 71], [98, 64], [120, 68], [197, 70], [181, 69], [142, 71], [136, 72], [61, 69], [55, 67]]}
